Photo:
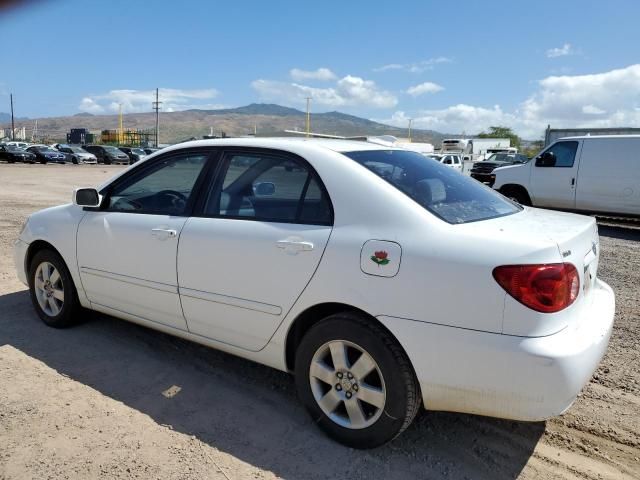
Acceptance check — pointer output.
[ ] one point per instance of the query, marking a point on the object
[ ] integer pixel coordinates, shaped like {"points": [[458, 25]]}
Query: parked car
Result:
{"points": [[22, 145], [107, 154], [359, 299], [483, 171], [596, 174], [452, 160], [149, 150], [77, 154], [134, 154], [13, 154], [45, 154]]}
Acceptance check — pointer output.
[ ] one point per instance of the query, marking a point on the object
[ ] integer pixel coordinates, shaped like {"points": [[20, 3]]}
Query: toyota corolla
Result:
{"points": [[384, 281]]}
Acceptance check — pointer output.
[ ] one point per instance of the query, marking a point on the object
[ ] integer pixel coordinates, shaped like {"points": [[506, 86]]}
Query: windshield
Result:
{"points": [[46, 149], [112, 149], [77, 150], [453, 197], [507, 157], [138, 151]]}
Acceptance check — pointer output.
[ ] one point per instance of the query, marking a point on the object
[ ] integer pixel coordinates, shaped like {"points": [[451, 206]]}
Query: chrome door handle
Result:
{"points": [[163, 233], [294, 246]]}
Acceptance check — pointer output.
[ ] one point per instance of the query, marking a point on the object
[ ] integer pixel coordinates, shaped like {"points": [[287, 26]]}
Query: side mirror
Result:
{"points": [[264, 189], [86, 197], [547, 159]]}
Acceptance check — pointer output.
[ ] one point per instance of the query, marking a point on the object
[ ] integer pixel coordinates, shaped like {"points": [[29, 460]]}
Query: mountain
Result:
{"points": [[264, 119], [6, 118]]}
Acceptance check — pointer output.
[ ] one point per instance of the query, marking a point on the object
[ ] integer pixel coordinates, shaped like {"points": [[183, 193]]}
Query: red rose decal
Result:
{"points": [[380, 258]]}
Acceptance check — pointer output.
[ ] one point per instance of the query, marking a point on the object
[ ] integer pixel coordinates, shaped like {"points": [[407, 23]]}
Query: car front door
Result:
{"points": [[555, 185], [250, 251], [127, 249]]}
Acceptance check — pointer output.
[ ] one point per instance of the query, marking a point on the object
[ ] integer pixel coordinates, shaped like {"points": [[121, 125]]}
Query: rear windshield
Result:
{"points": [[451, 196]]}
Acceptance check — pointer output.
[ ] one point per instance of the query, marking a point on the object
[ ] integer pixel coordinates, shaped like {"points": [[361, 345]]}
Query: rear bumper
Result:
{"points": [[519, 378]]}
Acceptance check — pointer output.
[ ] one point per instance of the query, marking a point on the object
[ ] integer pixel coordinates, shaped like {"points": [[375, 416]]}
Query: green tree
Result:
{"points": [[502, 132]]}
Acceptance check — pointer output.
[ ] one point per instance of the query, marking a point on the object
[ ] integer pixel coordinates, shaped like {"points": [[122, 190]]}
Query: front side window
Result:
{"points": [[269, 188], [565, 153], [439, 189], [164, 189]]}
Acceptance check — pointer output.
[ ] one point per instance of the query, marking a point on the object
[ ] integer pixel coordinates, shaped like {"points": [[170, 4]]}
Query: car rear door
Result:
{"points": [[127, 250], [555, 186], [252, 247]]}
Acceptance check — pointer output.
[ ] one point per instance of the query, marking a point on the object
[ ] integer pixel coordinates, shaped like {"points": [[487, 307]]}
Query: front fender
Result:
{"points": [[57, 226]]}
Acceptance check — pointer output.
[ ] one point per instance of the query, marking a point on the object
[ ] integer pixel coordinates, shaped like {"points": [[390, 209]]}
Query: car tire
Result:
{"points": [[517, 194], [74, 160], [356, 408], [52, 290]]}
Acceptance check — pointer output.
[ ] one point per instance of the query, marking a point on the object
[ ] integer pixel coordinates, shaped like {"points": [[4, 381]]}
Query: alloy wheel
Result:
{"points": [[49, 289], [347, 384]]}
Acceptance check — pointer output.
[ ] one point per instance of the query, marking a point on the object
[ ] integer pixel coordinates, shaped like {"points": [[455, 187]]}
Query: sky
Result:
{"points": [[453, 67]]}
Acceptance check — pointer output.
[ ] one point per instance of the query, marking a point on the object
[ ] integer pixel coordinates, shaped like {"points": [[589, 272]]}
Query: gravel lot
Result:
{"points": [[110, 399]]}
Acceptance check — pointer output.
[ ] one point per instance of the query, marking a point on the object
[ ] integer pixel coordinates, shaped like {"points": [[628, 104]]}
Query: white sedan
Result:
{"points": [[342, 262]]}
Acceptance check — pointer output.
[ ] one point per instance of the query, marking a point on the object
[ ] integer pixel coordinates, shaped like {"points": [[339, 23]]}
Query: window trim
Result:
{"points": [[142, 168], [216, 176]]}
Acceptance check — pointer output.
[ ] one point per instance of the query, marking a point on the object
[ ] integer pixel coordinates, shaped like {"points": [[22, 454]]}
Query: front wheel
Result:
{"points": [[52, 290], [356, 381]]}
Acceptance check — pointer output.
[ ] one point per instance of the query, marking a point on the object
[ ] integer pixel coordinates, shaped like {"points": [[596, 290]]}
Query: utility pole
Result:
{"points": [[410, 120], [13, 125], [156, 107], [120, 129], [308, 118]]}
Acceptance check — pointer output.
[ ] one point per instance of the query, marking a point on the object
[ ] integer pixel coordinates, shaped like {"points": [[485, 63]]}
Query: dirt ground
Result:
{"points": [[109, 399]]}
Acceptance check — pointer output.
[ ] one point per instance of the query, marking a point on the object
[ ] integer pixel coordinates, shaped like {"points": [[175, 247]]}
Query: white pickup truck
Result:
{"points": [[597, 174]]}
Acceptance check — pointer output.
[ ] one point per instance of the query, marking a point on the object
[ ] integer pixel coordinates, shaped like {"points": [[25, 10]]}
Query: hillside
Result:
{"points": [[266, 119]]}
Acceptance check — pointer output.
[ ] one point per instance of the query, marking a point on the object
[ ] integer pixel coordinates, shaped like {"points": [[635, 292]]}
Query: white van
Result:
{"points": [[599, 174]]}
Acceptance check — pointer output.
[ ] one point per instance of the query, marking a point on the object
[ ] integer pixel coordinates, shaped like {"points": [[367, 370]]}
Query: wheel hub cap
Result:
{"points": [[347, 384]]}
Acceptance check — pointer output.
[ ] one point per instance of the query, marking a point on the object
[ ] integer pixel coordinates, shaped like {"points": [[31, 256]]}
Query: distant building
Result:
{"points": [[80, 136], [553, 134]]}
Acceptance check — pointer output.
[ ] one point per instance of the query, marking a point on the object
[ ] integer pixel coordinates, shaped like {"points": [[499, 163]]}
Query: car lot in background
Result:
{"points": [[482, 171], [12, 154], [107, 154], [77, 154], [134, 154], [362, 356], [46, 154]]}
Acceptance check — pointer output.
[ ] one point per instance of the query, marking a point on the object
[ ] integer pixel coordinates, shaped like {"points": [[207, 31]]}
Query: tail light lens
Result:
{"points": [[544, 288]]}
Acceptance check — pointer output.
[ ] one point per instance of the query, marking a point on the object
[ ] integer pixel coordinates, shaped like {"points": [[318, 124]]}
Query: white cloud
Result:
{"points": [[422, 88], [592, 110], [348, 91], [414, 67], [454, 119], [562, 51], [134, 101], [322, 74], [608, 99]]}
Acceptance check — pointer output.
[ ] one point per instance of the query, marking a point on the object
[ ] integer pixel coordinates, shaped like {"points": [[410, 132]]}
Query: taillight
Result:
{"points": [[545, 288]]}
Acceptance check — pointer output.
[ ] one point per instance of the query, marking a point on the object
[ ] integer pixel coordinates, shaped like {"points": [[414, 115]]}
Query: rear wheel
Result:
{"points": [[52, 291], [355, 381]]}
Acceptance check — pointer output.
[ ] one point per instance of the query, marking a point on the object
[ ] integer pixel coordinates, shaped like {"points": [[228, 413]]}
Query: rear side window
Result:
{"points": [[453, 197], [269, 188]]}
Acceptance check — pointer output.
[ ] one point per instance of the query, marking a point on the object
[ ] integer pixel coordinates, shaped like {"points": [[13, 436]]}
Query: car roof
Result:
{"points": [[585, 137], [285, 143]]}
